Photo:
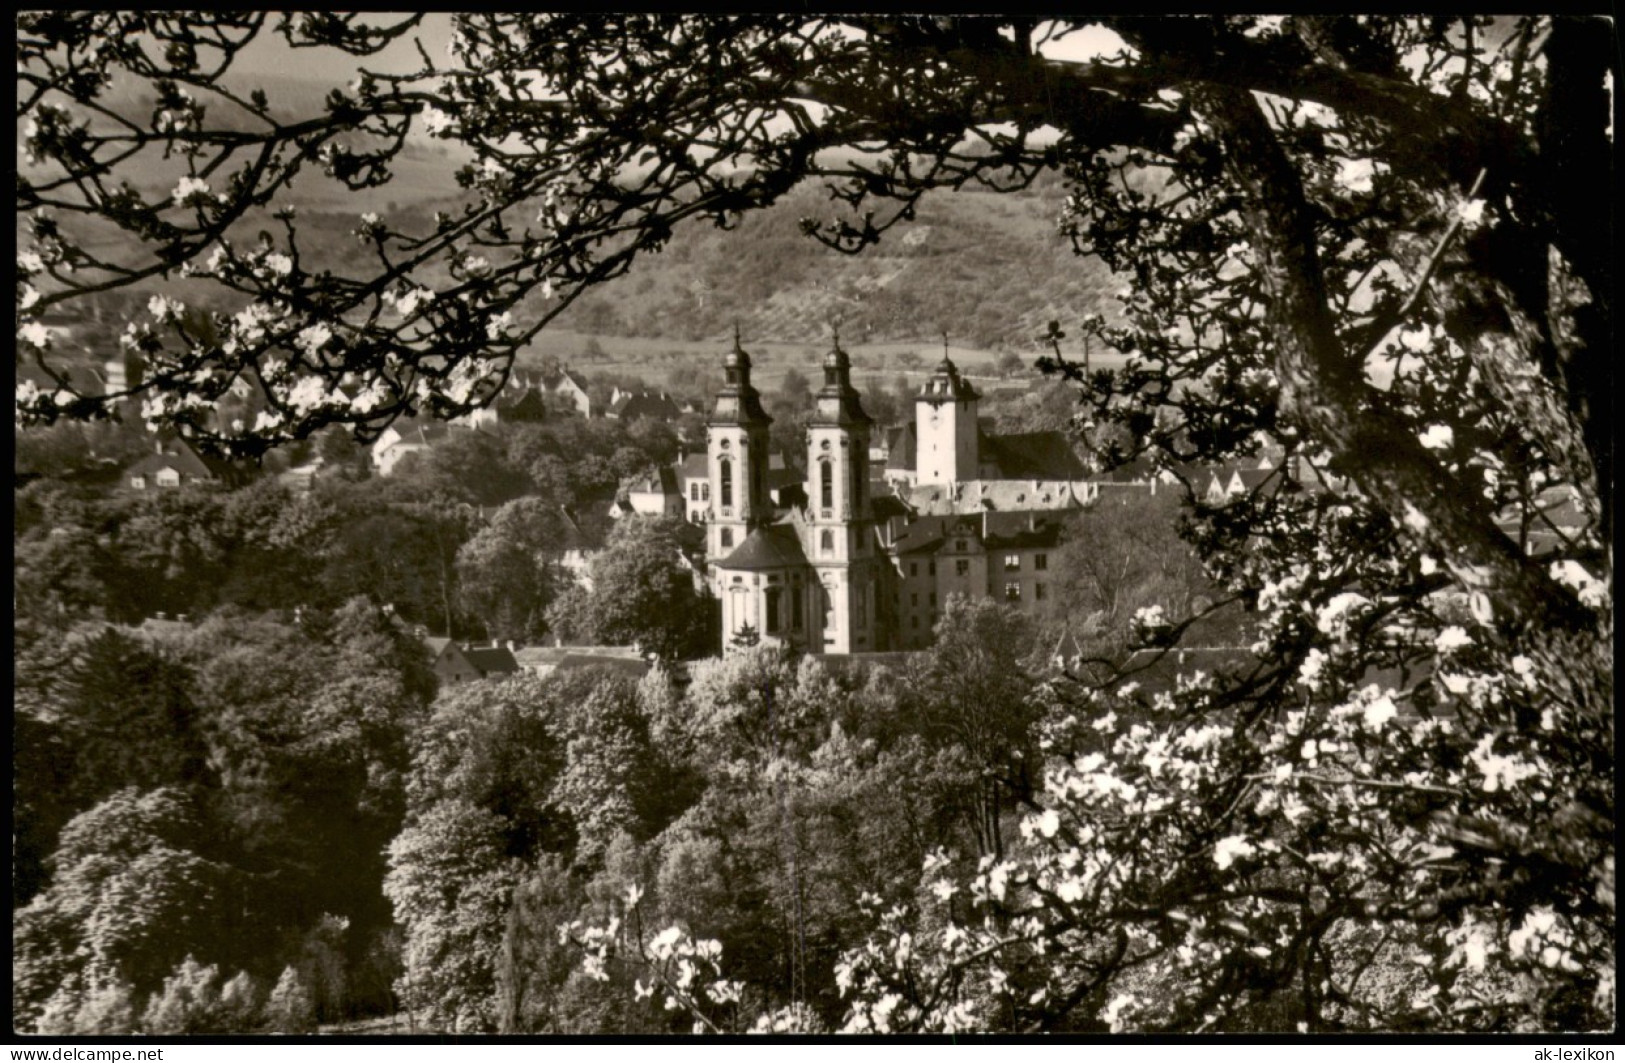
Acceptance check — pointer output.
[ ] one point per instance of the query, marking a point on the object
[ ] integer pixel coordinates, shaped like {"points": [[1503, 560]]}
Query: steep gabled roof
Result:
{"points": [[491, 660], [773, 547], [901, 447], [178, 456], [1033, 456], [884, 505], [1021, 531], [661, 481]]}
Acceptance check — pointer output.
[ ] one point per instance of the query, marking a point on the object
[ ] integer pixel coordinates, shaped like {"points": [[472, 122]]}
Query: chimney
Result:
{"points": [[511, 646], [181, 617], [161, 615], [984, 525]]}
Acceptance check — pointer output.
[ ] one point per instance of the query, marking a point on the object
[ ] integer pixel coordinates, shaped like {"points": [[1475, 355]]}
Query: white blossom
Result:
{"points": [[498, 326], [1113, 1012], [36, 334], [1309, 671], [1499, 772], [191, 188], [1228, 850], [1437, 437], [1451, 639], [313, 337], [1380, 712], [1355, 174], [436, 121]]}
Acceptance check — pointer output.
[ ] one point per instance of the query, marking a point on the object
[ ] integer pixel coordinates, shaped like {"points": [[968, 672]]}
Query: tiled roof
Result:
{"points": [[548, 659], [901, 446], [884, 504], [491, 659], [766, 548], [1033, 456], [180, 457], [997, 496], [662, 481]]}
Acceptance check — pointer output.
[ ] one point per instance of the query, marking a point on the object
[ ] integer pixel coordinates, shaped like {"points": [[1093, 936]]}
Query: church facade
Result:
{"points": [[857, 559]]}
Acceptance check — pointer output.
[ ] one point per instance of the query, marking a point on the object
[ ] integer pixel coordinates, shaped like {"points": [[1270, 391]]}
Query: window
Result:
{"points": [[826, 542], [959, 544], [913, 568], [914, 622], [1012, 562], [138, 482], [1012, 592], [861, 621], [798, 605], [961, 568], [694, 491], [727, 538], [1041, 562], [168, 478], [826, 490], [705, 492], [1038, 592], [914, 599], [773, 623], [933, 601], [725, 473], [931, 568]]}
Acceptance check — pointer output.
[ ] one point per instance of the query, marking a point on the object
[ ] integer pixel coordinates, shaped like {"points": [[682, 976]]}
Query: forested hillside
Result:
{"points": [[989, 270]]}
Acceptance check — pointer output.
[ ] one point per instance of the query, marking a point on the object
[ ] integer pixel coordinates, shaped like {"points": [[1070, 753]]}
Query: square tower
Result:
{"points": [[945, 428]]}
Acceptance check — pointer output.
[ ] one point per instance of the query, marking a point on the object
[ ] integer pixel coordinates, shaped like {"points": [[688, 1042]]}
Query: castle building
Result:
{"points": [[857, 559]]}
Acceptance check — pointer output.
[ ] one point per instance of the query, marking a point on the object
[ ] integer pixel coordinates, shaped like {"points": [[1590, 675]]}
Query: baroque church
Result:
{"points": [[859, 558]]}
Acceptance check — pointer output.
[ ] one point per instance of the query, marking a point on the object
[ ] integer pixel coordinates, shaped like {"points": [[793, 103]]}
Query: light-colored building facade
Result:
{"points": [[841, 564]]}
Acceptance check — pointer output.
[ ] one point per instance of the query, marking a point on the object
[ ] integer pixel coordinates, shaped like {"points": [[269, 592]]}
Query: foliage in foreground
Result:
{"points": [[1375, 241]]}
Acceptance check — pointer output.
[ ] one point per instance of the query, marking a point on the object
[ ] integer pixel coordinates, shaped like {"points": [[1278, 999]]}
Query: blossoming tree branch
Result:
{"points": [[1380, 243]]}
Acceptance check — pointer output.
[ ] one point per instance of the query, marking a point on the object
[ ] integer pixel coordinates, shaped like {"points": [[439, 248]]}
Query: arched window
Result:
{"points": [[725, 473], [773, 624], [826, 542], [826, 491]]}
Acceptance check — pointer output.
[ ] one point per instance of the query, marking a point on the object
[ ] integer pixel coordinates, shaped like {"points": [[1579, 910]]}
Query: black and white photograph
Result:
{"points": [[662, 525]]}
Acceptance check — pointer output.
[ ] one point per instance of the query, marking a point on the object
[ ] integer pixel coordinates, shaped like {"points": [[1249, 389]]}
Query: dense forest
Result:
{"points": [[1349, 768], [242, 803]]}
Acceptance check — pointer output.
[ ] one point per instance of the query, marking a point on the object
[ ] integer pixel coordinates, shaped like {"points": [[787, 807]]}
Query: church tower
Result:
{"points": [[736, 446], [840, 528], [945, 428]]}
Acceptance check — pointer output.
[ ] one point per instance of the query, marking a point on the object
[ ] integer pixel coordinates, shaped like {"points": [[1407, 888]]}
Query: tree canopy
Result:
{"points": [[1380, 244]]}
